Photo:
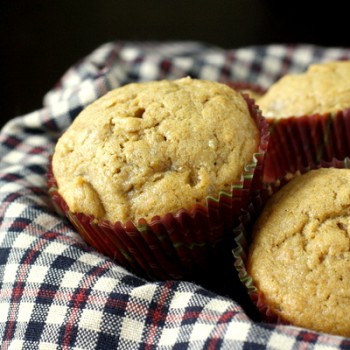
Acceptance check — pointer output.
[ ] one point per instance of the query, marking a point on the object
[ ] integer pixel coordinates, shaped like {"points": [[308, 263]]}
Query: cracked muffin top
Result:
{"points": [[152, 148], [300, 253], [323, 88]]}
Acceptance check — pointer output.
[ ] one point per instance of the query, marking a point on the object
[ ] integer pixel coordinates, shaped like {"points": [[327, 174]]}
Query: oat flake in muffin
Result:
{"points": [[299, 258], [151, 148]]}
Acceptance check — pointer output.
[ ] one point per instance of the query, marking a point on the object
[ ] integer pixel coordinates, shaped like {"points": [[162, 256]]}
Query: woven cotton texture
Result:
{"points": [[55, 291]]}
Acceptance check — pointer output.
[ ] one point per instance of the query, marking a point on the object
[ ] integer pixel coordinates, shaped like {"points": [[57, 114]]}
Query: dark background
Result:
{"points": [[41, 39]]}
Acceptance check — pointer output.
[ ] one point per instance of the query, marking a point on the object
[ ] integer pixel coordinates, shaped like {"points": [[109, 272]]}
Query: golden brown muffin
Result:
{"points": [[151, 148], [300, 254], [321, 89]]}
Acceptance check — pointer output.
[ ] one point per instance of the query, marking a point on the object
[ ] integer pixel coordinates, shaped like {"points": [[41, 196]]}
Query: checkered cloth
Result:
{"points": [[55, 291]]}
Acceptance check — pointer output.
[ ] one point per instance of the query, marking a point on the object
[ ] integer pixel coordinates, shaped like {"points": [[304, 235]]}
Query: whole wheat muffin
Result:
{"points": [[299, 258], [152, 148], [323, 88]]}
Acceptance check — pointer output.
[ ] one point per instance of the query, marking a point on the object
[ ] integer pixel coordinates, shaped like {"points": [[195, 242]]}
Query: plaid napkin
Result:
{"points": [[55, 291]]}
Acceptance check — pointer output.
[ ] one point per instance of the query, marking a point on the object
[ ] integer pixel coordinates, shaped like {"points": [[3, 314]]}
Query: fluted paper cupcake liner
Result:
{"points": [[297, 142], [252, 90], [181, 245]]}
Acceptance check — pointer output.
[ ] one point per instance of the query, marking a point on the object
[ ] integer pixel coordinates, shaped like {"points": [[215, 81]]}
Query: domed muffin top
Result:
{"points": [[150, 148], [321, 89], [299, 258]]}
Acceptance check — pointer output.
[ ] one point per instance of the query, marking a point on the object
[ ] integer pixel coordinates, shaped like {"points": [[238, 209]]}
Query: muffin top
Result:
{"points": [[300, 254], [321, 89], [152, 148]]}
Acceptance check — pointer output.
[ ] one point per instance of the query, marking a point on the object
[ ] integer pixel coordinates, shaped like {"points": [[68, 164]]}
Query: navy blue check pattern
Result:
{"points": [[55, 291]]}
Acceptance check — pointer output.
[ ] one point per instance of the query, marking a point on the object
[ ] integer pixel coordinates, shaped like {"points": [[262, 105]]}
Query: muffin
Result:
{"points": [[153, 174], [323, 88], [299, 257], [309, 117]]}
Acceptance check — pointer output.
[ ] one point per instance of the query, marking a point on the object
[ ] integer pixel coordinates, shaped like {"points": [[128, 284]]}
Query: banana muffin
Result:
{"points": [[152, 148], [309, 118], [323, 88], [299, 258], [154, 174]]}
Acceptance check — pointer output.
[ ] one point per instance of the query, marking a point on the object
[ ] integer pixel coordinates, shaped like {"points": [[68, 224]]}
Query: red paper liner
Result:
{"points": [[243, 86], [246, 88], [297, 142], [183, 245], [243, 231]]}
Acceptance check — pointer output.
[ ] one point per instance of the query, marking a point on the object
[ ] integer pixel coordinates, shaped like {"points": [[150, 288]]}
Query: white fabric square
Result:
{"points": [[218, 305], [36, 179], [32, 119], [144, 292], [87, 93], [45, 221], [245, 55], [183, 63], [199, 330], [129, 53], [180, 300], [209, 73], [47, 346], [149, 69], [55, 248], [280, 341], [37, 274], [11, 187], [273, 65], [216, 59], [90, 259], [60, 108], [105, 284], [91, 319], [34, 140], [56, 314], [25, 311], [13, 157], [37, 159], [4, 307], [16, 344], [168, 336], [276, 51], [10, 273], [303, 56], [71, 279], [131, 330], [24, 241], [238, 331]]}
